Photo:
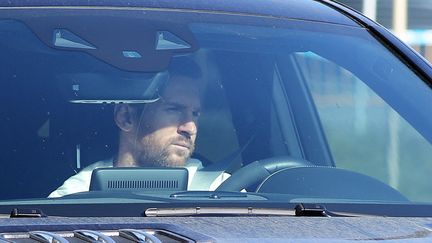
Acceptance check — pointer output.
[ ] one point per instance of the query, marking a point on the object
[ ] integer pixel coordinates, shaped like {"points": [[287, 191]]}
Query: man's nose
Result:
{"points": [[188, 127]]}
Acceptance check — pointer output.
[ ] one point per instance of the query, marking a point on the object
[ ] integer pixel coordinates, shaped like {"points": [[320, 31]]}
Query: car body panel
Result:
{"points": [[297, 9], [249, 229]]}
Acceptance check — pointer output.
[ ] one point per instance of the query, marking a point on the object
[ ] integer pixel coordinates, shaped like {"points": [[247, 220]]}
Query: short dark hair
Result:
{"points": [[184, 66]]}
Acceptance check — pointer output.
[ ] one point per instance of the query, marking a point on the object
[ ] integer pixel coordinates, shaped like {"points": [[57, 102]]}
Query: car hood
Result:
{"points": [[246, 229]]}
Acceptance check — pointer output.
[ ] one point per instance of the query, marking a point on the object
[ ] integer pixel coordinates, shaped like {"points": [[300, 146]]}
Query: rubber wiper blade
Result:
{"points": [[217, 211]]}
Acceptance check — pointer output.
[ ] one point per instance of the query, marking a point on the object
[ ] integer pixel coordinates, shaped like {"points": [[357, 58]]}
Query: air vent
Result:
{"points": [[139, 179], [91, 236], [144, 184]]}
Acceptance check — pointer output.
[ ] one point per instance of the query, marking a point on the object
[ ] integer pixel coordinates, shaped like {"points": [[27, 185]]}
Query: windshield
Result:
{"points": [[201, 102]]}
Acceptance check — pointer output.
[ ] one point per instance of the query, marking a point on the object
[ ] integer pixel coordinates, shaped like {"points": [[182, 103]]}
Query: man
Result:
{"points": [[160, 134]]}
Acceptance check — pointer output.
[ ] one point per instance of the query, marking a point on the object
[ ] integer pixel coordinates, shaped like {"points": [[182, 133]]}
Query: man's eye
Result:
{"points": [[196, 113], [173, 109]]}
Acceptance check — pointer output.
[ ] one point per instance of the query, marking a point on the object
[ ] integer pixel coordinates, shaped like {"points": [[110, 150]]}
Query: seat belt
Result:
{"points": [[204, 178]]}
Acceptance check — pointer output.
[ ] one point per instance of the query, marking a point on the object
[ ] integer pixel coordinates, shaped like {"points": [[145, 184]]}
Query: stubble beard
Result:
{"points": [[163, 155]]}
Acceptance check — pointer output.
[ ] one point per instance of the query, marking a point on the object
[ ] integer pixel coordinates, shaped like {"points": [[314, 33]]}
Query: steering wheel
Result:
{"points": [[259, 170]]}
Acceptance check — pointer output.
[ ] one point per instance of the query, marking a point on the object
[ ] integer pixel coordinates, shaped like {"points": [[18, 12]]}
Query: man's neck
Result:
{"points": [[125, 160]]}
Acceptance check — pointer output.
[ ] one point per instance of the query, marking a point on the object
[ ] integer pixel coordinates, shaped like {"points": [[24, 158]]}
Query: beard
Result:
{"points": [[154, 153]]}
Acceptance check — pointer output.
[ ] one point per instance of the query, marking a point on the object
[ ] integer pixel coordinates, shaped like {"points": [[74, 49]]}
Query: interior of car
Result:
{"points": [[278, 101]]}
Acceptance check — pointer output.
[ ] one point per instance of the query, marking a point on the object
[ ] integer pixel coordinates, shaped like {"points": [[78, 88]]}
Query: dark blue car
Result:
{"points": [[210, 121]]}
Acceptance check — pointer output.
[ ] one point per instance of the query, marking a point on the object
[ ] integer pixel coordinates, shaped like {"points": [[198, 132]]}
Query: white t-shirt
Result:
{"points": [[198, 180]]}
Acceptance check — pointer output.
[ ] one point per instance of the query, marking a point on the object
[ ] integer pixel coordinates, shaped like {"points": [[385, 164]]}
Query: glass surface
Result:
{"points": [[241, 89], [364, 132]]}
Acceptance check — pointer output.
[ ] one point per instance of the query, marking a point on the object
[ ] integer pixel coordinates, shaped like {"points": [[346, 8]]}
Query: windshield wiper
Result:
{"points": [[208, 194], [216, 211], [301, 210]]}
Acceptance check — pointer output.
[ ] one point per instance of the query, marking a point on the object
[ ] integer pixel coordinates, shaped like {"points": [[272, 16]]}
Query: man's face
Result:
{"points": [[167, 129]]}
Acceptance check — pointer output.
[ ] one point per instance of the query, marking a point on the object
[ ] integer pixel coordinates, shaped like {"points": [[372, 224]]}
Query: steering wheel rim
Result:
{"points": [[257, 171]]}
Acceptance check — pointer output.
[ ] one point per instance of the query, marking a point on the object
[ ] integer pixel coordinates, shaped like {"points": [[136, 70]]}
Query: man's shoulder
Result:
{"points": [[80, 182], [99, 164]]}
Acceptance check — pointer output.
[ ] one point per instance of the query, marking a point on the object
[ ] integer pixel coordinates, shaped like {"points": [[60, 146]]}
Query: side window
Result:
{"points": [[364, 133]]}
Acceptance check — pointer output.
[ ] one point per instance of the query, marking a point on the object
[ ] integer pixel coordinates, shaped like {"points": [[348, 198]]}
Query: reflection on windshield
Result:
{"points": [[241, 107]]}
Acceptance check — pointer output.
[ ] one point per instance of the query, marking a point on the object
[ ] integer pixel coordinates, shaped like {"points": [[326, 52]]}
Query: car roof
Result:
{"points": [[311, 10]]}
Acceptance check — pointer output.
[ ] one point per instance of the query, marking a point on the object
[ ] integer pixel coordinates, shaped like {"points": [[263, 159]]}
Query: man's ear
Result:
{"points": [[124, 117]]}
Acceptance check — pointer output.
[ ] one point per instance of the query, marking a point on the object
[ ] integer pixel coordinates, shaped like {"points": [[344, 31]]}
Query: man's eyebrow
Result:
{"points": [[175, 104]]}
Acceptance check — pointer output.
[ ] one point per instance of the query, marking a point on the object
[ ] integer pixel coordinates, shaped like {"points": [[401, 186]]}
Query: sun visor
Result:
{"points": [[97, 88]]}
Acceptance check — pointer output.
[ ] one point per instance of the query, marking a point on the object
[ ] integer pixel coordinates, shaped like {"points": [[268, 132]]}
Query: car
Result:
{"points": [[210, 121]]}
